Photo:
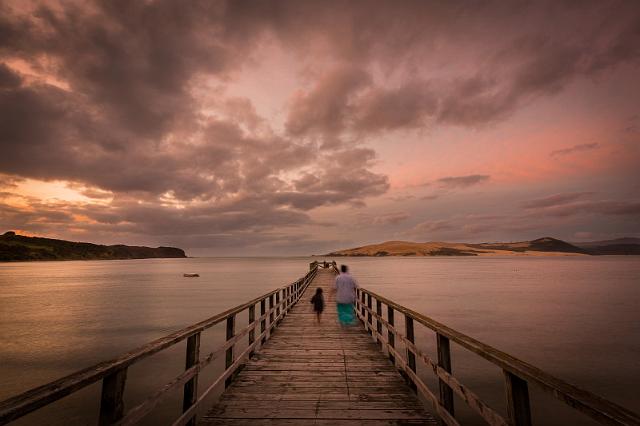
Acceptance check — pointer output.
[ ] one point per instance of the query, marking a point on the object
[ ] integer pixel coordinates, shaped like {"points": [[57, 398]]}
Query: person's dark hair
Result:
{"points": [[343, 268], [318, 290]]}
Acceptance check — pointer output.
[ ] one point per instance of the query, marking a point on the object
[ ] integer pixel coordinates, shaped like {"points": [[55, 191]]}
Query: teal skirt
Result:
{"points": [[346, 315]]}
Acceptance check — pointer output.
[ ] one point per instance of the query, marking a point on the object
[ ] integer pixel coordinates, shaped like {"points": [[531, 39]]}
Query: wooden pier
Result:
{"points": [[289, 370], [318, 374]]}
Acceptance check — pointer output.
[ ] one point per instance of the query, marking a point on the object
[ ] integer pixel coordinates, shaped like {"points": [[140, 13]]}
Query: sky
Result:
{"points": [[302, 127]]}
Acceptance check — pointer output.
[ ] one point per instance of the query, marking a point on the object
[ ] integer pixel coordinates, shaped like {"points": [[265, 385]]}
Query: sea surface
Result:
{"points": [[575, 317]]}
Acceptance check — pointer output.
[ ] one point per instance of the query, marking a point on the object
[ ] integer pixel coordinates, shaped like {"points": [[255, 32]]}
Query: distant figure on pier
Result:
{"points": [[345, 296], [318, 304]]}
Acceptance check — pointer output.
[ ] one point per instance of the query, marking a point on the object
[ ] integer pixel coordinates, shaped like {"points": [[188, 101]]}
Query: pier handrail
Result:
{"points": [[518, 374], [114, 372]]}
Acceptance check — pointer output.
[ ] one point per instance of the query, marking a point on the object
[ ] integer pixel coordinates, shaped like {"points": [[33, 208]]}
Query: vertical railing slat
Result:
{"points": [[252, 332], [411, 357], [190, 393], [369, 316], [378, 322], [391, 337], [271, 315], [263, 321], [231, 329], [518, 408], [444, 361], [285, 298], [112, 399]]}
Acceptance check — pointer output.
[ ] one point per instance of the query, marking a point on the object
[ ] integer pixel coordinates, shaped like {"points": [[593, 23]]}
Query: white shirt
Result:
{"points": [[346, 286]]}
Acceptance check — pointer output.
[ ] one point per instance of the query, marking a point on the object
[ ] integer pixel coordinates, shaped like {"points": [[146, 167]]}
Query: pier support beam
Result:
{"points": [[112, 400], [444, 361], [228, 362], [190, 393], [518, 409]]}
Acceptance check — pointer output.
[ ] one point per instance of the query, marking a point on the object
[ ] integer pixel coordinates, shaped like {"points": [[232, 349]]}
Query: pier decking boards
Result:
{"points": [[318, 374]]}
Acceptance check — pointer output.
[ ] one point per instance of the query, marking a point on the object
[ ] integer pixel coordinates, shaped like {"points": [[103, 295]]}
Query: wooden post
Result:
{"points": [[378, 322], [263, 321], [518, 409], [190, 394], [285, 297], [278, 304], [252, 332], [271, 315], [112, 399], [444, 361], [369, 316], [285, 302], [362, 309], [411, 357], [231, 330], [390, 335]]}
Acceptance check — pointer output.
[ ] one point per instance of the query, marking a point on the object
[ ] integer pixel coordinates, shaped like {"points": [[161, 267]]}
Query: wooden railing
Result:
{"points": [[518, 375], [273, 307]]}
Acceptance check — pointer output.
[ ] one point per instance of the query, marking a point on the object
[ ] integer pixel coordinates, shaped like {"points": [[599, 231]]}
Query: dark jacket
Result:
{"points": [[318, 302]]}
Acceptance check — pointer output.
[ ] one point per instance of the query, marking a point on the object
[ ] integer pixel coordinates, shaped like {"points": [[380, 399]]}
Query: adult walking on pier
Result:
{"points": [[345, 296]]}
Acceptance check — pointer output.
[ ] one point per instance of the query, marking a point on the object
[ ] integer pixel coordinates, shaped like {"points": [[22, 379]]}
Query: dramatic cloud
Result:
{"points": [[576, 148], [604, 207], [430, 226], [244, 123], [326, 107], [555, 200], [462, 181], [571, 204], [8, 78], [390, 218]]}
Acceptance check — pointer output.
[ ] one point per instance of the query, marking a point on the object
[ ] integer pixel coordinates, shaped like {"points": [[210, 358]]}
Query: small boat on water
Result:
{"points": [[190, 275]]}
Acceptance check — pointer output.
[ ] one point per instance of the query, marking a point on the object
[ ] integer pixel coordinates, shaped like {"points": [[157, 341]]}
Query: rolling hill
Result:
{"points": [[14, 247], [542, 246]]}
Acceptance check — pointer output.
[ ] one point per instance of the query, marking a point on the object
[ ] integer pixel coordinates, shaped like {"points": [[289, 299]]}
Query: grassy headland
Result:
{"points": [[15, 247]]}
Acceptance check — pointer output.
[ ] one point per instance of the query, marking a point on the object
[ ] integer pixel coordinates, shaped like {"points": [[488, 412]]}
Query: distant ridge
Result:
{"points": [[546, 246], [14, 247], [620, 246]]}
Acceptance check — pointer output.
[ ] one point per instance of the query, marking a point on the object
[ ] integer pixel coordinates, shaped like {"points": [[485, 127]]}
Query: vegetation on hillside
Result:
{"points": [[15, 247]]}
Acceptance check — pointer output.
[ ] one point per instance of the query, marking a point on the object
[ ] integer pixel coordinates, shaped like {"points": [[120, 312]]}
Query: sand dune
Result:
{"points": [[540, 247]]}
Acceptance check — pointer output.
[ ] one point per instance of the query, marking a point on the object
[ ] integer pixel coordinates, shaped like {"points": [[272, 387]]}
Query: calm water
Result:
{"points": [[577, 318]]}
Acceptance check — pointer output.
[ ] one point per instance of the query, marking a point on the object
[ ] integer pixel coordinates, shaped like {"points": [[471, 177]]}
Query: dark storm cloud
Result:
{"points": [[8, 78], [576, 148], [326, 108], [462, 181], [505, 57]]}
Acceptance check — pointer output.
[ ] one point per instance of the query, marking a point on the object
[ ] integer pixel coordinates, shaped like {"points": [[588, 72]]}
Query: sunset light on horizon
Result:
{"points": [[301, 127]]}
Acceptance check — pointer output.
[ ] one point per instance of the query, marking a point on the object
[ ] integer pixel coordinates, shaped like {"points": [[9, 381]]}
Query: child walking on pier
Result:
{"points": [[318, 304]]}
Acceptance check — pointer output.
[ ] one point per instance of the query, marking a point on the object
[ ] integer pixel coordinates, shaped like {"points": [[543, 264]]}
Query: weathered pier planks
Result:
{"points": [[311, 373]]}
